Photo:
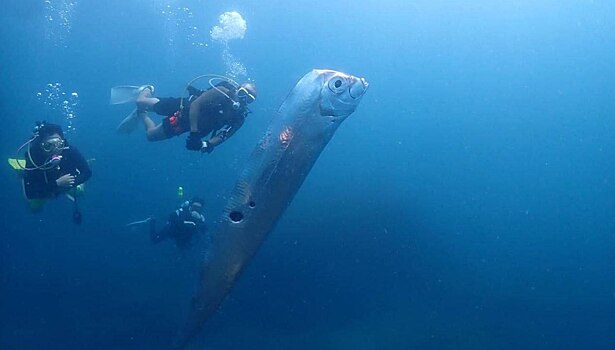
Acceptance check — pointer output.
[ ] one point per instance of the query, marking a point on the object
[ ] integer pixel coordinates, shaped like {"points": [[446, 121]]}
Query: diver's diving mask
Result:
{"points": [[53, 145], [245, 95]]}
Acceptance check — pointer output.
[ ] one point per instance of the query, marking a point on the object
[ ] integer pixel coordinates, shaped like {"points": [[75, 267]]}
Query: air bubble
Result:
{"points": [[58, 14], [53, 98], [181, 27]]}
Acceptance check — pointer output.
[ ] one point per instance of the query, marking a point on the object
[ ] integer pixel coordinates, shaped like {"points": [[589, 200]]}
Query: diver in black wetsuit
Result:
{"points": [[219, 112], [182, 225], [52, 166]]}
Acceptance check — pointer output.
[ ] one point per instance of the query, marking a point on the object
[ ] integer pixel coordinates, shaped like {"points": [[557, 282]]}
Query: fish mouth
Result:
{"points": [[358, 89]]}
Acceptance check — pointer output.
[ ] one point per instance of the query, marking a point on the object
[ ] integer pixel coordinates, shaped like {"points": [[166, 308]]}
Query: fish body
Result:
{"points": [[280, 162]]}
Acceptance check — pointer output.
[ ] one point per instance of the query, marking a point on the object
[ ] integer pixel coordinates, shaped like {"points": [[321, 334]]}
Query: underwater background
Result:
{"points": [[467, 204]]}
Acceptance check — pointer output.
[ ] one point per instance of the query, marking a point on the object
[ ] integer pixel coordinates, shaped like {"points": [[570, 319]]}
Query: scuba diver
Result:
{"points": [[51, 167], [218, 111], [183, 224]]}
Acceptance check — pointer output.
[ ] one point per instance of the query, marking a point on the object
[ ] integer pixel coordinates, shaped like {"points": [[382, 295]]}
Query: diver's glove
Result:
{"points": [[194, 142], [207, 147]]}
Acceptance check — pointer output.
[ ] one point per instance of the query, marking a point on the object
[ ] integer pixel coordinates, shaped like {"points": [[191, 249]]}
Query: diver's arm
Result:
{"points": [[195, 112], [226, 132], [200, 223], [197, 218], [203, 106], [199, 106], [183, 217], [81, 165], [194, 142]]}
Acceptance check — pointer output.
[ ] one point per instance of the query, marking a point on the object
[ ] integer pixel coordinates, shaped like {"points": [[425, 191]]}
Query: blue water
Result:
{"points": [[467, 204]]}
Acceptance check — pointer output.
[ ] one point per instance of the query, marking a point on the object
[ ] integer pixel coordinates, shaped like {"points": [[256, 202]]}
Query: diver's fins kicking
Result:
{"points": [[129, 124]]}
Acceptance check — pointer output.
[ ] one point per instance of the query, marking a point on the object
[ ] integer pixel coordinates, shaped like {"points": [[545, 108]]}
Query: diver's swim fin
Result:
{"points": [[127, 93], [129, 124], [140, 222], [17, 164], [124, 94]]}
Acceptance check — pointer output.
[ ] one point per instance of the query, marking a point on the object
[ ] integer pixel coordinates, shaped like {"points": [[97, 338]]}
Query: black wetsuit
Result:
{"points": [[180, 226], [41, 184], [218, 107]]}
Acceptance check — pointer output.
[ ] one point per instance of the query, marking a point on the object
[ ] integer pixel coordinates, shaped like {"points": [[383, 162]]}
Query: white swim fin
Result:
{"points": [[129, 124], [124, 94], [127, 93], [140, 222]]}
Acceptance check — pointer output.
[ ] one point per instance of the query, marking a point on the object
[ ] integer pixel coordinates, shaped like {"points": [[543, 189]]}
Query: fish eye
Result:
{"points": [[337, 84]]}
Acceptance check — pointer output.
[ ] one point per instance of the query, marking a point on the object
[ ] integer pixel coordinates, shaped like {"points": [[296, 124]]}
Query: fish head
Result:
{"points": [[340, 93]]}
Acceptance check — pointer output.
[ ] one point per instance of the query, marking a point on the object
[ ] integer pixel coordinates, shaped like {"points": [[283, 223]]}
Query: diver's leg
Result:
{"points": [[145, 101], [153, 132], [156, 134]]}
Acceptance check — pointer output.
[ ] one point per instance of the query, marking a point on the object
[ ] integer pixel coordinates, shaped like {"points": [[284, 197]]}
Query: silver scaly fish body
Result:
{"points": [[302, 127]]}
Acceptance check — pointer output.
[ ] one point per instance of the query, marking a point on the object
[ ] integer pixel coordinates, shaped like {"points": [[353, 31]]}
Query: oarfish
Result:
{"points": [[280, 162]]}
